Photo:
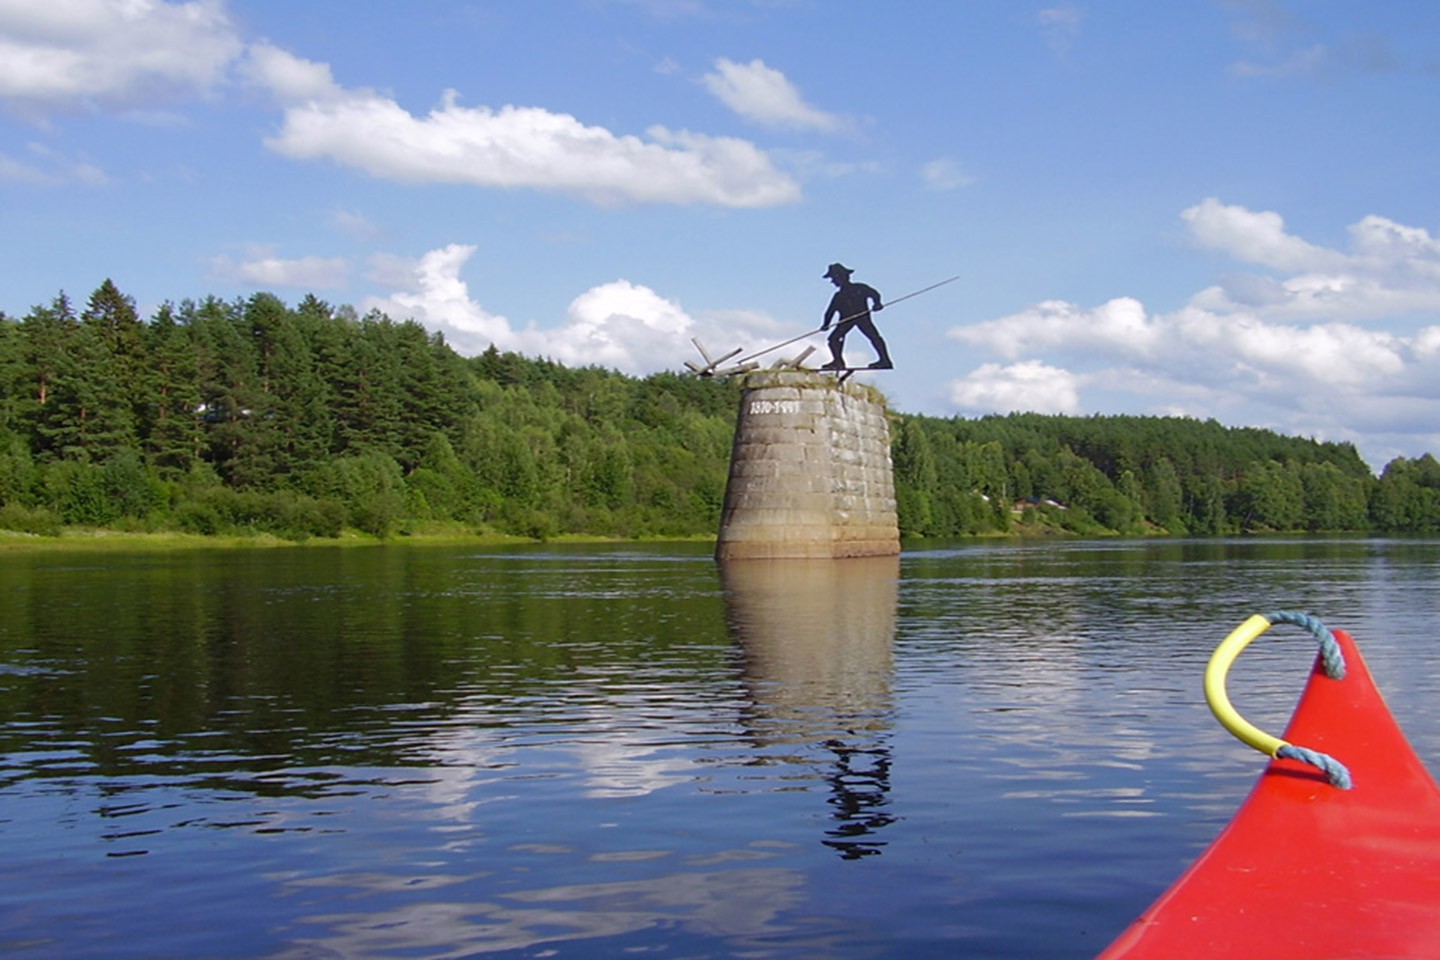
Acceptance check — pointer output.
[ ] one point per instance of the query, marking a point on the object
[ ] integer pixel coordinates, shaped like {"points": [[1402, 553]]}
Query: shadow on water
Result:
{"points": [[817, 639]]}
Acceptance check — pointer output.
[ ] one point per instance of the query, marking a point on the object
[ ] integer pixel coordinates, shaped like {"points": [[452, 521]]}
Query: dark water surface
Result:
{"points": [[997, 750]]}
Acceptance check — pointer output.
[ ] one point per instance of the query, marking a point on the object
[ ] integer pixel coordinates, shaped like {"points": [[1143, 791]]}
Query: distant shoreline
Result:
{"points": [[94, 539]]}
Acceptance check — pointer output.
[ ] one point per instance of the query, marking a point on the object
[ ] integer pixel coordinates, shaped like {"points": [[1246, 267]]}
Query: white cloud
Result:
{"points": [[114, 54], [618, 324], [21, 172], [506, 148], [1427, 343], [520, 147], [813, 163], [1279, 43], [764, 95], [944, 174], [1120, 325], [130, 55], [1258, 238], [46, 167], [622, 325], [1392, 270], [1384, 243], [288, 78], [1241, 344], [265, 270], [1336, 353], [1030, 386], [1297, 341], [440, 300]]}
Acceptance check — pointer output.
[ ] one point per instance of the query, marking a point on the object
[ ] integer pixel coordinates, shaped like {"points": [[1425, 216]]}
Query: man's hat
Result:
{"points": [[837, 270]]}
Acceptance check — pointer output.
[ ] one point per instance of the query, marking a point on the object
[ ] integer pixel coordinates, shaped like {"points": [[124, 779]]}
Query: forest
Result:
{"points": [[252, 417]]}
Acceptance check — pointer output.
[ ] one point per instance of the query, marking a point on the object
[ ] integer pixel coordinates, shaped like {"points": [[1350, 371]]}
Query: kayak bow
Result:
{"points": [[1336, 851]]}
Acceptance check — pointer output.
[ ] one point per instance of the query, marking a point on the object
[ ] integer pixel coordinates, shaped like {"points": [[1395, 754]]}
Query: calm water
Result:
{"points": [[996, 750]]}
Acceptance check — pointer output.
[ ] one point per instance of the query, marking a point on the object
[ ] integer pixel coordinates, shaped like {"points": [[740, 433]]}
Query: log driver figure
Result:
{"points": [[852, 304]]}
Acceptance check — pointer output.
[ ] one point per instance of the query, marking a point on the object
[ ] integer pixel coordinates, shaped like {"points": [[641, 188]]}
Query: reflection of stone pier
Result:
{"points": [[817, 637], [810, 472]]}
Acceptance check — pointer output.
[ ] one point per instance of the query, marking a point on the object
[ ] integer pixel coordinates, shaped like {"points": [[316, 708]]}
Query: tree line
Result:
{"points": [[251, 416], [1135, 475]]}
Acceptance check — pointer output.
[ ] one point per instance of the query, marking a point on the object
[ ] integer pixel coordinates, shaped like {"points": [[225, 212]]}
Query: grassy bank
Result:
{"points": [[99, 539], [84, 538]]}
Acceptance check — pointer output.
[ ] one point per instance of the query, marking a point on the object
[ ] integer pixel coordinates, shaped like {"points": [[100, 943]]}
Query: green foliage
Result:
{"points": [[76, 490], [39, 521], [1407, 497], [370, 485], [1129, 475], [254, 417], [17, 468], [249, 416], [293, 516]]}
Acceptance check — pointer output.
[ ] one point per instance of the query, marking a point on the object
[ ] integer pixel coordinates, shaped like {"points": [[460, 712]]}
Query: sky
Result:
{"points": [[1222, 209]]}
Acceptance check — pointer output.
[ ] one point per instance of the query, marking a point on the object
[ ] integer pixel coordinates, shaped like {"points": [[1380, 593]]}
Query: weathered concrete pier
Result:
{"points": [[810, 471]]}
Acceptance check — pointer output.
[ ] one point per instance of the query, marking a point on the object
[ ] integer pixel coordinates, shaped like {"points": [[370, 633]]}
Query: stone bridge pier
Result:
{"points": [[810, 471]]}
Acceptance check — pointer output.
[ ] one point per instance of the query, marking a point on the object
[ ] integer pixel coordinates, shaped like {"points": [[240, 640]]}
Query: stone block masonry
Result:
{"points": [[810, 472]]}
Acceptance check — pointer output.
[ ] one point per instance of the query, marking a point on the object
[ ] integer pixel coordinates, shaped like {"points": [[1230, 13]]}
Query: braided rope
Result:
{"points": [[1335, 771], [1333, 661], [1330, 654]]}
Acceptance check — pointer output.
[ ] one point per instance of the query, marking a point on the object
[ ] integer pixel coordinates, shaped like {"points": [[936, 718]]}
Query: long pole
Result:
{"points": [[811, 333]]}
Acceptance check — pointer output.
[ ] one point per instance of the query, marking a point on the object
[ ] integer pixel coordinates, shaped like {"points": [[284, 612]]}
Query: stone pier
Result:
{"points": [[810, 472]]}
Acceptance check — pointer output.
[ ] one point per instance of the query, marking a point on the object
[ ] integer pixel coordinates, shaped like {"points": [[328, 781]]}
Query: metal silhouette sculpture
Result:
{"points": [[714, 365], [851, 305]]}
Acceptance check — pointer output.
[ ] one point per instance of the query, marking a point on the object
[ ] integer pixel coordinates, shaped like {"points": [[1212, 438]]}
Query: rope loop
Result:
{"points": [[1330, 654], [1332, 660], [1335, 771]]}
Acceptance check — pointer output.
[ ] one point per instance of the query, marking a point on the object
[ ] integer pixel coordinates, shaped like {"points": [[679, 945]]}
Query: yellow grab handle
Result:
{"points": [[1215, 673]]}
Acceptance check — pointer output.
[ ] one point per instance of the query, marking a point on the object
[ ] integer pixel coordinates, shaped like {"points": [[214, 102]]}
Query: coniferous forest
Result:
{"points": [[255, 417]]}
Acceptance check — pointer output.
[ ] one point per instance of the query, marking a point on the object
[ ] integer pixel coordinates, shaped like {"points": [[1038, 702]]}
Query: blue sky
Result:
{"points": [[1221, 209]]}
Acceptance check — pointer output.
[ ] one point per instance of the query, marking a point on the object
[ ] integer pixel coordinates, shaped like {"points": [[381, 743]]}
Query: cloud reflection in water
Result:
{"points": [[744, 903]]}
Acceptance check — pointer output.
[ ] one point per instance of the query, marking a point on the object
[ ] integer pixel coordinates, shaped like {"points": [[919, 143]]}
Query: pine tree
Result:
{"points": [[47, 333], [295, 428], [80, 408], [171, 423], [229, 393]]}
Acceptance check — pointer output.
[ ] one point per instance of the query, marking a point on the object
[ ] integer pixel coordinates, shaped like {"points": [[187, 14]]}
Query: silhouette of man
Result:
{"points": [[852, 305]]}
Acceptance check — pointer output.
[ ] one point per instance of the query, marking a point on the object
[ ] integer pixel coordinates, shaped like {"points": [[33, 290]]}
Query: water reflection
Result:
{"points": [[744, 906], [817, 638], [583, 751]]}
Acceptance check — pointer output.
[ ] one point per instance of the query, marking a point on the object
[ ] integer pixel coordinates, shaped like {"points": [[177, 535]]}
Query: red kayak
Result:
{"points": [[1335, 853]]}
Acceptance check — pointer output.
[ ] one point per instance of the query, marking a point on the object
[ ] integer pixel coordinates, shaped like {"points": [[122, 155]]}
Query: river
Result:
{"points": [[987, 749]]}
